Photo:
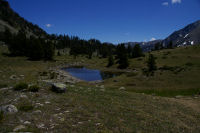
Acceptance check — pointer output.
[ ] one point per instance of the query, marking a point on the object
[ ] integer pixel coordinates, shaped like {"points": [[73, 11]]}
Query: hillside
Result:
{"points": [[189, 35], [10, 19], [131, 102]]}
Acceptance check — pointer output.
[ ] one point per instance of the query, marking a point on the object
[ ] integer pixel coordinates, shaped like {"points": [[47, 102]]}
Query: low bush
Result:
{"points": [[20, 86], [43, 73], [3, 85], [34, 88], [53, 75]]}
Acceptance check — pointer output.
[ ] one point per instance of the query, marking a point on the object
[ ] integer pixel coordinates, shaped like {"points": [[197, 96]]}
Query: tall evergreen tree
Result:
{"points": [[151, 63], [129, 50], [137, 51], [110, 61], [122, 58]]}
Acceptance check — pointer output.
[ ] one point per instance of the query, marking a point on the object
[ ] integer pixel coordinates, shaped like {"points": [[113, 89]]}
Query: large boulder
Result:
{"points": [[9, 109], [59, 87]]}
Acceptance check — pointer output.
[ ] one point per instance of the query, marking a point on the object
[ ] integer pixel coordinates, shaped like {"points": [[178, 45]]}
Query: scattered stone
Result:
{"points": [[37, 112], [98, 124], [21, 75], [72, 86], [41, 125], [178, 96], [57, 109], [80, 122], [20, 127], [39, 104], [13, 77], [60, 114], [23, 96], [27, 122], [67, 111], [62, 119], [59, 87], [9, 109], [102, 90], [47, 102], [102, 87], [122, 88]]}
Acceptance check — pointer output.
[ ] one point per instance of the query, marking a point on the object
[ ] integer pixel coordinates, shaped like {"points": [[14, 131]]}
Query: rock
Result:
{"points": [[41, 125], [39, 105], [72, 86], [80, 122], [102, 90], [37, 112], [13, 77], [23, 96], [59, 88], [178, 96], [102, 87], [62, 119], [20, 127], [27, 122], [9, 109], [122, 88], [47, 102], [21, 75], [98, 124], [67, 111]]}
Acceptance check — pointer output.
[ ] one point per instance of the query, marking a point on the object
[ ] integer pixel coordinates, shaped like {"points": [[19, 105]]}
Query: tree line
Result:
{"points": [[35, 48], [40, 48]]}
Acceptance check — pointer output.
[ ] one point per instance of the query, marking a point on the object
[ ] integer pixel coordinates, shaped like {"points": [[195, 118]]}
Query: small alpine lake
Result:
{"points": [[89, 74]]}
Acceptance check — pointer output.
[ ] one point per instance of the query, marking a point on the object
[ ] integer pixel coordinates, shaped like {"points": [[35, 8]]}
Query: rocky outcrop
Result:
{"points": [[59, 88], [9, 109]]}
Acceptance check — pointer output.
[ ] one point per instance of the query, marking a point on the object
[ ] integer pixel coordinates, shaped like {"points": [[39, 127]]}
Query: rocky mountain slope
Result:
{"points": [[189, 35], [14, 22]]}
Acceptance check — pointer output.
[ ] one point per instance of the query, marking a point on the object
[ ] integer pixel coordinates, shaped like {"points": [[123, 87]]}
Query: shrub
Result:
{"points": [[43, 73], [151, 63], [53, 75], [34, 88], [110, 61], [20, 86], [3, 85]]}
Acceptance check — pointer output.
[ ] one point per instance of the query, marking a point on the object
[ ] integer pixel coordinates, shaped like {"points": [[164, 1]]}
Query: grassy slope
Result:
{"points": [[93, 109]]}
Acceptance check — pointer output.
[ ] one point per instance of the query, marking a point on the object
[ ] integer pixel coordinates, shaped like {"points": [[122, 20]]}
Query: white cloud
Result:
{"points": [[165, 3], [153, 39], [176, 1], [48, 25]]}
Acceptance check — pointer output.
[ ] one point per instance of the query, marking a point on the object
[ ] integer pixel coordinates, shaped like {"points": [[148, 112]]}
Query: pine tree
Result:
{"points": [[110, 61], [151, 64], [170, 45], [48, 50], [129, 50], [137, 51], [122, 58]]}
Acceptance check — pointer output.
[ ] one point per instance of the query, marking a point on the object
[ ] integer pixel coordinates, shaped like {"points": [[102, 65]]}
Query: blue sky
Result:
{"points": [[110, 20]]}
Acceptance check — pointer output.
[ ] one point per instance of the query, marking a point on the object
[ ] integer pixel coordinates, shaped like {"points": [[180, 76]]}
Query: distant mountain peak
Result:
{"points": [[189, 35]]}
